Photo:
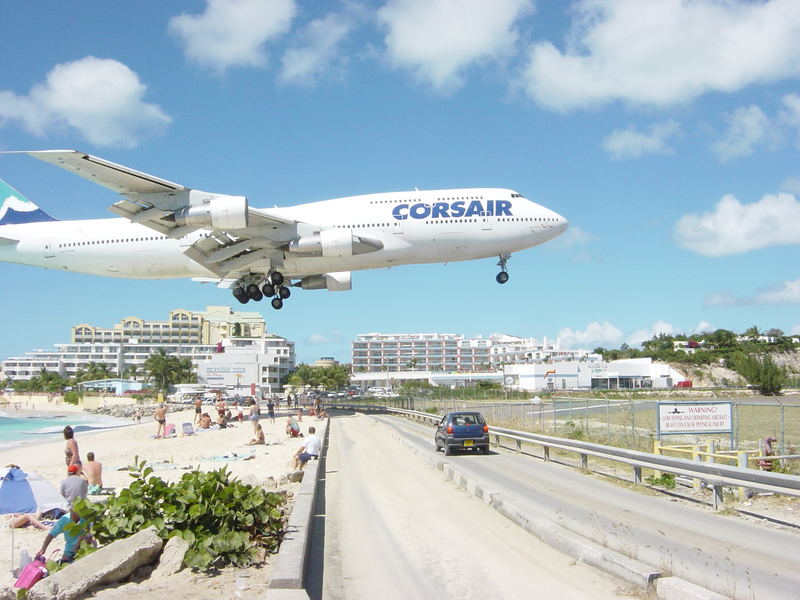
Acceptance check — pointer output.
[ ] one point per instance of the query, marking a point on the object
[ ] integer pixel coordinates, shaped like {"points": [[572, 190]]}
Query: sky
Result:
{"points": [[666, 131]]}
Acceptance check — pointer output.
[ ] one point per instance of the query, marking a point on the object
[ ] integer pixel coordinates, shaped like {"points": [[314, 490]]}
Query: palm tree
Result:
{"points": [[132, 372]]}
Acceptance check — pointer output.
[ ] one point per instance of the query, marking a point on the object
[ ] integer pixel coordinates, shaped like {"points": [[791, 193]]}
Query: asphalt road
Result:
{"points": [[729, 555], [394, 528]]}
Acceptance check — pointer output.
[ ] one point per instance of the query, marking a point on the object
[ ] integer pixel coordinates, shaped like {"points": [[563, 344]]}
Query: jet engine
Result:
{"points": [[221, 212], [333, 282], [333, 243]]}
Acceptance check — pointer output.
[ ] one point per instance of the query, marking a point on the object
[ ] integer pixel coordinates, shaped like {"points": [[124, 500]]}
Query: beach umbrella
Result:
{"points": [[22, 492]]}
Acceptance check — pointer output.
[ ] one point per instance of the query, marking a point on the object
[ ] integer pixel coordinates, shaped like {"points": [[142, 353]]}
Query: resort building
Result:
{"points": [[452, 352], [183, 327]]}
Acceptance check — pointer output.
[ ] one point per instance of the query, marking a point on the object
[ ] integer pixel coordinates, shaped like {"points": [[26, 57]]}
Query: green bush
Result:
{"points": [[72, 397], [667, 480], [225, 521]]}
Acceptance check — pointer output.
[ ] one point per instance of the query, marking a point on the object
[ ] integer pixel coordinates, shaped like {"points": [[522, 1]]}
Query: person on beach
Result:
{"points": [[292, 427], [18, 521], [94, 473], [271, 410], [73, 536], [310, 449], [221, 408], [198, 409], [71, 454], [74, 486], [160, 415], [259, 439], [205, 421]]}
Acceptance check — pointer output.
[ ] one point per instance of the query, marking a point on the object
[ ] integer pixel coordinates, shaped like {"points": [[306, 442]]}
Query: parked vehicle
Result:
{"points": [[463, 430]]}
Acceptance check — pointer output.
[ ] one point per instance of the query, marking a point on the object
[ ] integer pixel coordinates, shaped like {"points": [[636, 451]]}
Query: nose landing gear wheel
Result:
{"points": [[502, 277], [277, 303]]}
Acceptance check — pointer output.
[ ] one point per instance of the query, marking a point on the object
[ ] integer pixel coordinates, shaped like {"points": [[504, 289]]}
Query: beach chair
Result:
{"points": [[169, 430], [187, 429]]}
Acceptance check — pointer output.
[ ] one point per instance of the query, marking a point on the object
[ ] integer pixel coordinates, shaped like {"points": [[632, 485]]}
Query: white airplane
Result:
{"points": [[171, 231]]}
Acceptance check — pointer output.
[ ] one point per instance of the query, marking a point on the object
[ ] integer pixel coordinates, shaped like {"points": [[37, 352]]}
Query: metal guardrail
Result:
{"points": [[715, 475]]}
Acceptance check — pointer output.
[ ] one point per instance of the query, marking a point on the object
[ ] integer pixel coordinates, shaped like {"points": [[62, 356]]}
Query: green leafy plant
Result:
{"points": [[225, 521], [666, 480]]}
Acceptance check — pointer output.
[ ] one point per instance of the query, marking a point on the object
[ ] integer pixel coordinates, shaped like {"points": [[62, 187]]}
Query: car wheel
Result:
{"points": [[486, 449], [447, 450]]}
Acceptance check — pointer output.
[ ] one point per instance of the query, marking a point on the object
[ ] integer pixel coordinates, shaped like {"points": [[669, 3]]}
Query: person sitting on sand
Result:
{"points": [[205, 421], [74, 486], [94, 473], [259, 439], [19, 520], [292, 427]]}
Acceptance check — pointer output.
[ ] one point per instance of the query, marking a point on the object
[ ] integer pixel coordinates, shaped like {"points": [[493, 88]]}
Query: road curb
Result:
{"points": [[288, 572], [568, 542], [674, 588]]}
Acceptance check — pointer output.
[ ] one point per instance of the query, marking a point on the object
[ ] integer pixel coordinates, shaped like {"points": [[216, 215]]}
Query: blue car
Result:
{"points": [[463, 430]]}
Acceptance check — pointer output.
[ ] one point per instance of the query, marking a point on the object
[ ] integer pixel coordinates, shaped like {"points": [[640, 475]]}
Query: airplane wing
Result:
{"points": [[240, 236]]}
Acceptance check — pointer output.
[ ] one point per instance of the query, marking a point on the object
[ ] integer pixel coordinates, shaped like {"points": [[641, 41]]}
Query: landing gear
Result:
{"points": [[502, 276], [252, 287]]}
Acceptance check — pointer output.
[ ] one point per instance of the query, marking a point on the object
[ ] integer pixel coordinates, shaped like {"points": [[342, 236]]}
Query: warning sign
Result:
{"points": [[695, 417]]}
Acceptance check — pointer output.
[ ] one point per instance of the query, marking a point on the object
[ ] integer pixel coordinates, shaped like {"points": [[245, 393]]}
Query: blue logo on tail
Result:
{"points": [[16, 208]]}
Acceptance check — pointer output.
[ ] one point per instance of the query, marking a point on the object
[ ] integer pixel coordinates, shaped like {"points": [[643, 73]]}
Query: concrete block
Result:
{"points": [[675, 588]]}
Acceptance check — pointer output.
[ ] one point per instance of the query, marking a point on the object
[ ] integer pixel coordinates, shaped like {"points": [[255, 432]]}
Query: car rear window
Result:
{"points": [[469, 419]]}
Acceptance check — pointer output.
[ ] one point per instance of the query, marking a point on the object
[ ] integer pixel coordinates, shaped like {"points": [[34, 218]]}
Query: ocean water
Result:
{"points": [[16, 428]]}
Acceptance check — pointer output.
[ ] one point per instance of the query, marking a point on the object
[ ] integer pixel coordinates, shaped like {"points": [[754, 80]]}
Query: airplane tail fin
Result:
{"points": [[16, 208]]}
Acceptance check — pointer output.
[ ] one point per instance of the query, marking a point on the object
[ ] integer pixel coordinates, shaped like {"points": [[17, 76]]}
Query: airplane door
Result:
{"points": [[49, 252], [486, 221], [397, 226]]}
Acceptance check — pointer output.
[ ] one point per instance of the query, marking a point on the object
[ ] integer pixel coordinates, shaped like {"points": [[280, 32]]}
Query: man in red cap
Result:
{"points": [[74, 486]]}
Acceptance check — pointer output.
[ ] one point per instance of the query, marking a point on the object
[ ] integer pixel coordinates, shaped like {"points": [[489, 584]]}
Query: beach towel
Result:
{"points": [[169, 429]]}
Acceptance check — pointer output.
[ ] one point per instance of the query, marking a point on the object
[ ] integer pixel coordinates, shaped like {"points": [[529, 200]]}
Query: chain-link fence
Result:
{"points": [[628, 423]]}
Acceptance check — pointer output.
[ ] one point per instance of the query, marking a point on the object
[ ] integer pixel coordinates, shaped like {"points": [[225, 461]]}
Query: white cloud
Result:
{"points": [[99, 98], [791, 184], [703, 327], [748, 128], [319, 339], [733, 227], [630, 143], [439, 39], [316, 55], [574, 236], [595, 334], [663, 52], [232, 33], [642, 335], [786, 293]]}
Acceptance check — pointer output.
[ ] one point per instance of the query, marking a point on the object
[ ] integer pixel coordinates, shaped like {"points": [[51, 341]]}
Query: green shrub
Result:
{"points": [[72, 397], [225, 521], [667, 480]]}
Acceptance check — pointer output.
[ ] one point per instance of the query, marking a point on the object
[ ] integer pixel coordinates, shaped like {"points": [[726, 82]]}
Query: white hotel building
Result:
{"points": [[452, 352]]}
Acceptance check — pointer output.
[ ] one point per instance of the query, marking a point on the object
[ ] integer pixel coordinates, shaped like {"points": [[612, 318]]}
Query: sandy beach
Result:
{"points": [[170, 458]]}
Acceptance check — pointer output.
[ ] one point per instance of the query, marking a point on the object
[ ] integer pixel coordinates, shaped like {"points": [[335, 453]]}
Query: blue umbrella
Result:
{"points": [[22, 492]]}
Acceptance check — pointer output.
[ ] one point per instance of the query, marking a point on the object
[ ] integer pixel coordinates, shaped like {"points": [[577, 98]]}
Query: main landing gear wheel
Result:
{"points": [[502, 276], [277, 303], [284, 292], [241, 295], [268, 290], [276, 277]]}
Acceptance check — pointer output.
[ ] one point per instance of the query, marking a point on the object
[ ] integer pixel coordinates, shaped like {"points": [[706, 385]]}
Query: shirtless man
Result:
{"points": [[161, 418], [198, 409], [94, 474]]}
